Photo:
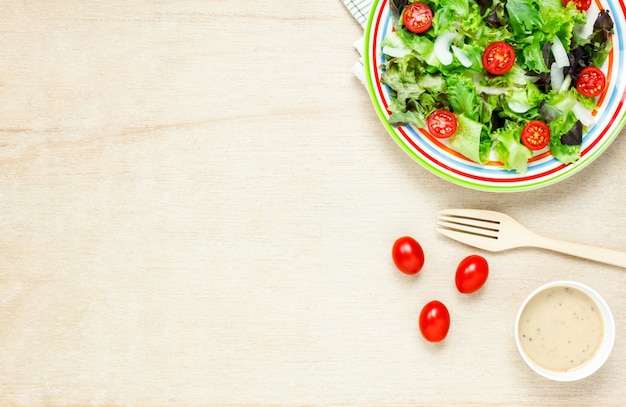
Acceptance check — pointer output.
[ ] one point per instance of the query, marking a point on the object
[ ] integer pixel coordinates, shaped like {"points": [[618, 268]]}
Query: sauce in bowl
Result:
{"points": [[564, 331], [561, 328]]}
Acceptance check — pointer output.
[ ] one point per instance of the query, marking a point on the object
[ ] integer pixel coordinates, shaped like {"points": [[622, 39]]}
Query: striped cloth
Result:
{"points": [[360, 9]]}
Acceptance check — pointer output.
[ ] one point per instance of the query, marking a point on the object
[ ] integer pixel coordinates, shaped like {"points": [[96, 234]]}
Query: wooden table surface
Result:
{"points": [[197, 207]]}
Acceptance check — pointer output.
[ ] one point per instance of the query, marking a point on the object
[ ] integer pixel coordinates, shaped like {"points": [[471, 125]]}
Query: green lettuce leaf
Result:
{"points": [[423, 47], [513, 154], [417, 93], [561, 21], [448, 14], [467, 138], [558, 127], [462, 95], [533, 56], [524, 17]]}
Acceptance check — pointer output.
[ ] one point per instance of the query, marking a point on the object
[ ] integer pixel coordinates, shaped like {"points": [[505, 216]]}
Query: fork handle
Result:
{"points": [[600, 254]]}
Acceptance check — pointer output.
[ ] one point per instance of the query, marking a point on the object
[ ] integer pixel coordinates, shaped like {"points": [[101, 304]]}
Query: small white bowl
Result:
{"points": [[603, 351]]}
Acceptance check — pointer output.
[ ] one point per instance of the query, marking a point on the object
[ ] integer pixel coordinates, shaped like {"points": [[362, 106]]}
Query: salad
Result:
{"points": [[502, 80]]}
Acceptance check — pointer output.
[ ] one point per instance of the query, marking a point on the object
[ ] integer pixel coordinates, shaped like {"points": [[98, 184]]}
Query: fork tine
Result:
{"points": [[477, 223], [473, 213], [470, 226], [470, 239], [473, 221]]}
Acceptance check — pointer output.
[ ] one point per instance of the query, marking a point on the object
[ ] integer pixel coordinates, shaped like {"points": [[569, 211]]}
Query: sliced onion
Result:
{"points": [[442, 47], [395, 52], [556, 76], [492, 91], [461, 56], [519, 107], [566, 83], [583, 114], [394, 47], [532, 78], [488, 90], [560, 55]]}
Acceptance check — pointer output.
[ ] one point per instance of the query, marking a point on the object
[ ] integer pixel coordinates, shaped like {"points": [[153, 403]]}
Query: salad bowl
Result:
{"points": [[438, 157]]}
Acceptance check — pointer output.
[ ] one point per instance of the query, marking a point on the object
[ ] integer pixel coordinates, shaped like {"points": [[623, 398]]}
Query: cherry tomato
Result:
{"points": [[434, 321], [408, 255], [471, 274], [582, 5], [591, 82], [536, 135], [417, 17], [498, 58], [442, 123]]}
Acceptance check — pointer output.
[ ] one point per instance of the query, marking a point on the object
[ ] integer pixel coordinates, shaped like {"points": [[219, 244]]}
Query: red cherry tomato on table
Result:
{"points": [[498, 58], [591, 82], [582, 5], [536, 135], [442, 123], [408, 255], [471, 274], [417, 17], [434, 321]]}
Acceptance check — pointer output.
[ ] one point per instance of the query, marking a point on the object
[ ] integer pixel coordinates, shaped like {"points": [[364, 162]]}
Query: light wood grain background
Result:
{"points": [[197, 207]]}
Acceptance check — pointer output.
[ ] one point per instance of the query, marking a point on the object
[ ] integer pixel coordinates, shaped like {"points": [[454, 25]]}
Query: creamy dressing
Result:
{"points": [[560, 328]]}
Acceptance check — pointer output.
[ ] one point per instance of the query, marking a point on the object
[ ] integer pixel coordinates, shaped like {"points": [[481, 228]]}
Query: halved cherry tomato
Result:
{"points": [[536, 135], [471, 274], [434, 321], [498, 58], [442, 123], [591, 82], [408, 255], [582, 5], [417, 17]]}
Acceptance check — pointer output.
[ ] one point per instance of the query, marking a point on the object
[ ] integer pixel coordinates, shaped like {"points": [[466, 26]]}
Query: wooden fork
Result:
{"points": [[495, 231]]}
